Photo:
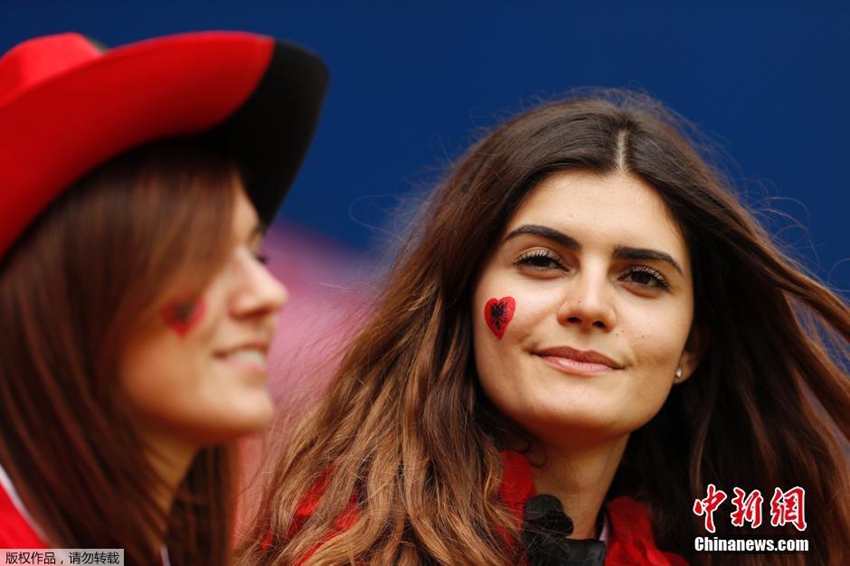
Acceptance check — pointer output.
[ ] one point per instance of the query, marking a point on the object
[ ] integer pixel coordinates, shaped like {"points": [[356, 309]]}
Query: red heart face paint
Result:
{"points": [[183, 316], [498, 313]]}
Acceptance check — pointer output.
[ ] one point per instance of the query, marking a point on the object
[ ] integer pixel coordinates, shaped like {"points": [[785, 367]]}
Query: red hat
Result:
{"points": [[67, 106]]}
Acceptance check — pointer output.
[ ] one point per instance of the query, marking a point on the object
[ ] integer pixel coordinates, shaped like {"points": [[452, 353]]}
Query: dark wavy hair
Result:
{"points": [[406, 431], [94, 270]]}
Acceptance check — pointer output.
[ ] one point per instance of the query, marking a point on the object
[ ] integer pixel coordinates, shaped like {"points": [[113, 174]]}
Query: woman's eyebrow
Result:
{"points": [[625, 252], [620, 252], [545, 232]]}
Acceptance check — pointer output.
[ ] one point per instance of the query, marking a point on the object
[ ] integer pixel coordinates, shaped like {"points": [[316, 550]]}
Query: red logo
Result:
{"points": [[785, 507], [747, 509], [788, 507], [709, 505]]}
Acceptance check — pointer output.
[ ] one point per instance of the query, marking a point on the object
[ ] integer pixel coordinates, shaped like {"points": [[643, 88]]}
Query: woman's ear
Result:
{"points": [[695, 348]]}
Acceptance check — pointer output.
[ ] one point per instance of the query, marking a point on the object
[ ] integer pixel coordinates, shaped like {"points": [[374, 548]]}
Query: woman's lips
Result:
{"points": [[248, 358], [581, 362]]}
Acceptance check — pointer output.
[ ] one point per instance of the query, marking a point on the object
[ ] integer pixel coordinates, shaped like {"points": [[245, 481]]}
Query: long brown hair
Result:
{"points": [[407, 432], [90, 273]]}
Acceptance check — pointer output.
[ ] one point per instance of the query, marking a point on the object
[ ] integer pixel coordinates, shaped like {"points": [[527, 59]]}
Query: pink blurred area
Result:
{"points": [[328, 297]]}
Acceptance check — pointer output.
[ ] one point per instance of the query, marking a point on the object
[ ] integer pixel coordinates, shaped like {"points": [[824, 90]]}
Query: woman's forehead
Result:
{"points": [[602, 210]]}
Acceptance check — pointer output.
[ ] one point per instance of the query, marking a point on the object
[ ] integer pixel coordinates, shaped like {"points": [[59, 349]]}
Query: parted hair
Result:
{"points": [[405, 435]]}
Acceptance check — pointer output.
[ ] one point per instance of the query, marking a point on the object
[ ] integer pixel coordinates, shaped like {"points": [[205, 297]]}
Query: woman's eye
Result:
{"points": [[539, 259], [646, 277]]}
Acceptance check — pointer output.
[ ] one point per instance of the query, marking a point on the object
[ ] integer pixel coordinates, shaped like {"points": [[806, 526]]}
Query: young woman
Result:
{"points": [[586, 318], [136, 312]]}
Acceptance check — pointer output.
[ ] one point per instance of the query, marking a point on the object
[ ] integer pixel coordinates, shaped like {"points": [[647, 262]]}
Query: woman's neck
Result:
{"points": [[579, 476], [170, 461]]}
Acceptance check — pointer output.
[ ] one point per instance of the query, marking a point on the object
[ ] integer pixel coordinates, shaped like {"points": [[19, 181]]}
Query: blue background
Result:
{"points": [[411, 85]]}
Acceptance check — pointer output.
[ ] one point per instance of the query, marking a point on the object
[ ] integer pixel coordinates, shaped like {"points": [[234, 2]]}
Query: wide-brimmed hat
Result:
{"points": [[68, 105]]}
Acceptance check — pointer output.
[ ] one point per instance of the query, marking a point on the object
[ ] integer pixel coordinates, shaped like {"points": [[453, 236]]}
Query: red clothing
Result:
{"points": [[630, 543], [15, 530]]}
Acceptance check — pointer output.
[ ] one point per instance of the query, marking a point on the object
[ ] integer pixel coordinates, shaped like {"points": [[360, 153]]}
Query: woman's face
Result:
{"points": [[590, 290], [200, 377]]}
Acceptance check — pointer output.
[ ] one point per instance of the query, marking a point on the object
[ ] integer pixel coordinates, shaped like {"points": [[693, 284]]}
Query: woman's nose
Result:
{"points": [[260, 293], [587, 302]]}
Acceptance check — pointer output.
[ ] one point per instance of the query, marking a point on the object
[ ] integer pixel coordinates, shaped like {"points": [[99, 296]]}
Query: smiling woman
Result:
{"points": [[585, 320], [135, 313], [601, 277], [602, 319], [172, 389], [203, 378]]}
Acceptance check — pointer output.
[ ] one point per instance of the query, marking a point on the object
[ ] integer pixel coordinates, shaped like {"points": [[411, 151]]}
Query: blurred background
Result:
{"points": [[412, 84]]}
